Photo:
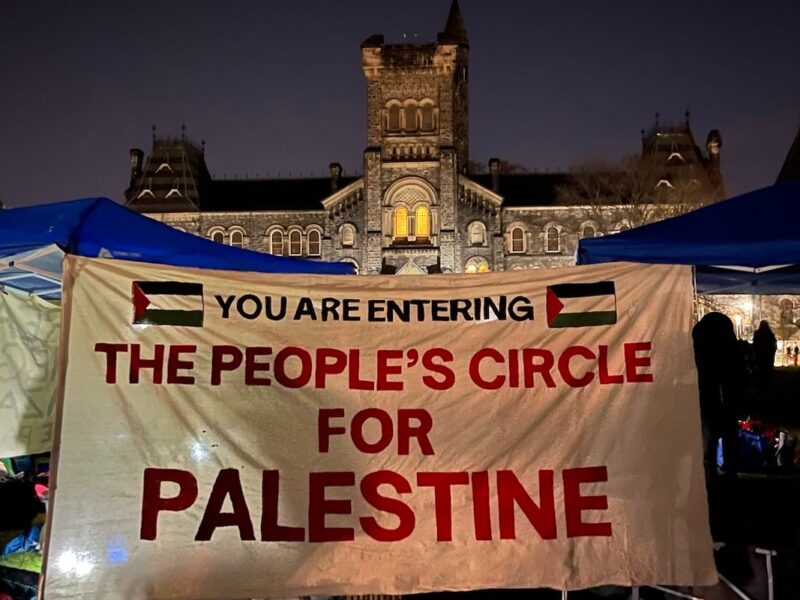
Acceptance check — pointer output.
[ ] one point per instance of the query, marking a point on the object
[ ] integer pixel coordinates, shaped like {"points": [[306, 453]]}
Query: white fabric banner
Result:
{"points": [[28, 359], [236, 435]]}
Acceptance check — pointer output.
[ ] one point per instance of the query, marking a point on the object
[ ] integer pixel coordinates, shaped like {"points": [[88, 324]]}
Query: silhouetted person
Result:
{"points": [[764, 347], [722, 381]]}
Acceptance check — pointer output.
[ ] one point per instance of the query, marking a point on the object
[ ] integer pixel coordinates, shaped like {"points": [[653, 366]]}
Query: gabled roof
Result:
{"points": [[270, 194], [525, 189]]}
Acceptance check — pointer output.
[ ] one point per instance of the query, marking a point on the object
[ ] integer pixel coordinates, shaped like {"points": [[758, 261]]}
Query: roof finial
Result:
{"points": [[183, 131], [202, 146], [454, 30], [153, 128], [658, 115], [687, 114]]}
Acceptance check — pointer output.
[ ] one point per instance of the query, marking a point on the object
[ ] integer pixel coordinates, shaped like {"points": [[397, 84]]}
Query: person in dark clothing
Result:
{"points": [[764, 347], [722, 381]]}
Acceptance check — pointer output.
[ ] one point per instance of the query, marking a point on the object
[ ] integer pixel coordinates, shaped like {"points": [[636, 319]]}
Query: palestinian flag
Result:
{"points": [[167, 303], [581, 304]]}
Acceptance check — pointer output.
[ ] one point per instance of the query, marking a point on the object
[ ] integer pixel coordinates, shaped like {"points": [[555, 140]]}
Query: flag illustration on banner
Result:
{"points": [[581, 304], [168, 303]]}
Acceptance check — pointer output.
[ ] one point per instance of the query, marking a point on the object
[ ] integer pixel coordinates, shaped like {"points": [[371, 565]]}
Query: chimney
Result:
{"points": [[137, 157], [336, 173], [494, 170]]}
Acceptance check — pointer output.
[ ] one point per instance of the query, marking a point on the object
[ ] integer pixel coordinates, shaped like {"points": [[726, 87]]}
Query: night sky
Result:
{"points": [[276, 87]]}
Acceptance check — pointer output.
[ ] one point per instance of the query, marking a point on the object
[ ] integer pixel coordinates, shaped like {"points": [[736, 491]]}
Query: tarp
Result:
{"points": [[99, 227], [757, 231], [231, 435], [29, 328]]}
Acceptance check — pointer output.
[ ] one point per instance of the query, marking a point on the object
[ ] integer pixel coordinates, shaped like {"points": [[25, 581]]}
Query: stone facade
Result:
{"points": [[416, 209]]}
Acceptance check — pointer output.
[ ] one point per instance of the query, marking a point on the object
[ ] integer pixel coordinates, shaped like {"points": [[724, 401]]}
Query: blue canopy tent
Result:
{"points": [[749, 244], [33, 239]]}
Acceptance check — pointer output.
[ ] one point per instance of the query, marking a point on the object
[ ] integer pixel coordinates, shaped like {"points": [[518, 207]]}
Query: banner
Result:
{"points": [[235, 435], [28, 351]]}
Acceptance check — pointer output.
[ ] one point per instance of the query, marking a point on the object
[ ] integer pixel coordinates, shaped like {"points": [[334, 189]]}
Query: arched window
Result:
{"points": [[276, 243], [423, 222], [400, 222], [348, 233], [588, 232], [218, 236], [553, 240], [477, 234], [517, 240], [295, 243], [426, 117], [314, 246], [410, 117], [237, 238], [393, 123], [477, 264]]}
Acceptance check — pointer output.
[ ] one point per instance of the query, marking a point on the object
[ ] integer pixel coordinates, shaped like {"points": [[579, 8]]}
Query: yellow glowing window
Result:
{"points": [[401, 222], [423, 222]]}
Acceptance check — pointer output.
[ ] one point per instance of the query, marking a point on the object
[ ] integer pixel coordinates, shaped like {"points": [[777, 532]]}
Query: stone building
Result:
{"points": [[416, 209]]}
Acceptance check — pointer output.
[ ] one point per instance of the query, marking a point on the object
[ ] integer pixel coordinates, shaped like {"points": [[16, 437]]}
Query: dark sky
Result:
{"points": [[276, 86]]}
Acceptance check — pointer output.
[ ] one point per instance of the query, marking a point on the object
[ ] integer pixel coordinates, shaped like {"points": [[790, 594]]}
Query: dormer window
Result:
{"points": [[163, 167]]}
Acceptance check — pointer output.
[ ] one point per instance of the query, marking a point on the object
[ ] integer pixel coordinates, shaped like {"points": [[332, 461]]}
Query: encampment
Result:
{"points": [[749, 244], [34, 239]]}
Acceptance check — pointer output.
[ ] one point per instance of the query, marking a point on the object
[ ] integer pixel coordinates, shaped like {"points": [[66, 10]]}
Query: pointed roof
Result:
{"points": [[791, 166], [454, 31]]}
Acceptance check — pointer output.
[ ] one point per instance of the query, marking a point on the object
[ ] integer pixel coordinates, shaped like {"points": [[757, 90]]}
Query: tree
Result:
{"points": [[635, 191]]}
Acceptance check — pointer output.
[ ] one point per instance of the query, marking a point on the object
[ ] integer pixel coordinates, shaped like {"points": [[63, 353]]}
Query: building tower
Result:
{"points": [[417, 144]]}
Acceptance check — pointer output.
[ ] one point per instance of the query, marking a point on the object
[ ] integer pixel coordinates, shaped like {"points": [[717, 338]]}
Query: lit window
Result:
{"points": [[477, 264], [348, 236], [295, 243], [477, 234], [423, 222], [394, 118], [588, 232], [276, 243], [314, 243], [426, 115], [237, 239], [517, 240], [401, 222], [553, 240], [410, 114], [218, 236]]}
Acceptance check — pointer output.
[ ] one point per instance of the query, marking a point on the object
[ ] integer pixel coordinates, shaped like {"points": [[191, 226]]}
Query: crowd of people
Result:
{"points": [[734, 376]]}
